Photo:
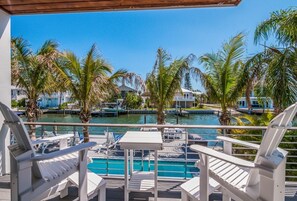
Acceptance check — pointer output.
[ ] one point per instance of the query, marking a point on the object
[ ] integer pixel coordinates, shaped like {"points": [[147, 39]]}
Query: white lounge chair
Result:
{"points": [[241, 180], [111, 143], [35, 177]]}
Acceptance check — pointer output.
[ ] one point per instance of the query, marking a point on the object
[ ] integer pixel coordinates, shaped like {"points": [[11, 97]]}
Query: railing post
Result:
{"points": [[55, 129], [107, 152], [224, 131], [107, 161], [74, 136], [186, 154], [142, 154], [42, 132], [149, 161]]}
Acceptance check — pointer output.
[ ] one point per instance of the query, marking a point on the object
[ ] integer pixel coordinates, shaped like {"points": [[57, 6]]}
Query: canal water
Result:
{"points": [[193, 119]]}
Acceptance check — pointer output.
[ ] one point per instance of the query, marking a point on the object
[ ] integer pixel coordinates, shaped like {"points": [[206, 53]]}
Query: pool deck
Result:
{"points": [[168, 191]]}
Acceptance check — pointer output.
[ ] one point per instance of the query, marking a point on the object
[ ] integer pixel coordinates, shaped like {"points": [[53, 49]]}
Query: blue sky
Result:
{"points": [[130, 39]]}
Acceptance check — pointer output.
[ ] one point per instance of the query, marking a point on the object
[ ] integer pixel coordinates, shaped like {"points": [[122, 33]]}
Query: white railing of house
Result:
{"points": [[182, 98], [176, 147]]}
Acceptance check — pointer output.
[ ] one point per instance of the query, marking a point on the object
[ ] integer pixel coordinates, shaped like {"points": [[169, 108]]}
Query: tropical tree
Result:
{"points": [[165, 80], [187, 81], [32, 72], [282, 24], [253, 69], [224, 77], [279, 73], [90, 81], [133, 101], [278, 78]]}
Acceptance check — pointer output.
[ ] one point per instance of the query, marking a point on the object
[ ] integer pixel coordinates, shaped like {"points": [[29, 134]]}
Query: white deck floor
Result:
{"points": [[168, 191]]}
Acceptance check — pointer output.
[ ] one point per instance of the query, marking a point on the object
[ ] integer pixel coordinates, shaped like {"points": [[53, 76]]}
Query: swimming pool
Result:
{"points": [[177, 169]]}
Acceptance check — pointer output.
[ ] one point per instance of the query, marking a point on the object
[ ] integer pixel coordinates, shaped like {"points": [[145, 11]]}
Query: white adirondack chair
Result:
{"points": [[35, 177], [241, 180]]}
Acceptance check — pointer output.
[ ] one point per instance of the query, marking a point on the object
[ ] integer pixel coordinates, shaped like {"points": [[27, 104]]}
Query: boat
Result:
{"points": [[115, 107]]}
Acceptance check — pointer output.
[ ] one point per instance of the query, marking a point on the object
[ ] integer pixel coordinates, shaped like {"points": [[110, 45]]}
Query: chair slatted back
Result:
{"points": [[21, 134], [276, 131], [272, 138], [17, 127]]}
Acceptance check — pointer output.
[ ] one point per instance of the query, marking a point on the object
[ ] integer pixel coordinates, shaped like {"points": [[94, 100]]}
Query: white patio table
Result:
{"points": [[141, 181]]}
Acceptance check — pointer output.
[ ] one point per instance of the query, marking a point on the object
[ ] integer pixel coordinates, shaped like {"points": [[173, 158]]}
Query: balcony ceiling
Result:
{"points": [[16, 7]]}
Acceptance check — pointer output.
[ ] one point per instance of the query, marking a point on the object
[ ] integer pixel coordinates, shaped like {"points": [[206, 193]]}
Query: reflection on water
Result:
{"points": [[193, 119]]}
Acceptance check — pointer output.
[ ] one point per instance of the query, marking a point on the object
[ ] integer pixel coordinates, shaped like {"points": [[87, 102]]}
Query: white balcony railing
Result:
{"points": [[176, 146]]}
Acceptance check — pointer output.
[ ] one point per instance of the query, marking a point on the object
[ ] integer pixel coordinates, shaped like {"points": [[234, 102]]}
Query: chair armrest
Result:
{"points": [[239, 142], [222, 156], [63, 152]]}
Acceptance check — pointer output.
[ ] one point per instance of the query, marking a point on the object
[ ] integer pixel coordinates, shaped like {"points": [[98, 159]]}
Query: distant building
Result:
{"points": [[17, 93], [54, 100], [45, 100], [197, 92], [265, 103], [186, 99], [124, 90]]}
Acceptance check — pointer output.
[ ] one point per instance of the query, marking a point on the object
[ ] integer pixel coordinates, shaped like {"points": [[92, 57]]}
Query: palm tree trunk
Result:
{"points": [[85, 117], [224, 118], [31, 111], [248, 97], [160, 115]]}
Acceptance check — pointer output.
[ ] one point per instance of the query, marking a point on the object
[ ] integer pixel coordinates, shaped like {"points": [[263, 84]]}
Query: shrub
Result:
{"points": [[133, 101], [14, 103]]}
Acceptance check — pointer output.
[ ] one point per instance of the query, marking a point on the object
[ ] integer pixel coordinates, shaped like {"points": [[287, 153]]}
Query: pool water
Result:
{"points": [[177, 169]]}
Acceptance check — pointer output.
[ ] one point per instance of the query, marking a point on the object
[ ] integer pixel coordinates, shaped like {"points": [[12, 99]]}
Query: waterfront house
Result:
{"points": [[124, 90], [54, 100], [45, 100], [184, 99], [17, 93], [257, 102]]}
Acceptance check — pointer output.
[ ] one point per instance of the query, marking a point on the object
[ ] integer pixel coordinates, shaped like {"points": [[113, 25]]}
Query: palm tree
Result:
{"points": [[278, 79], [279, 74], [90, 81], [32, 73], [224, 77], [283, 24], [253, 68], [165, 80]]}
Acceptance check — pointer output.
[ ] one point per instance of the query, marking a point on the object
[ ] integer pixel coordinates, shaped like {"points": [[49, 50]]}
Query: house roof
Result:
{"points": [[186, 90], [197, 92], [15, 7], [126, 89]]}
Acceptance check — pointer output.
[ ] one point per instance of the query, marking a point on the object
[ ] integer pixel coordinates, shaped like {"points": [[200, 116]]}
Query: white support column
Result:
{"points": [[5, 86]]}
